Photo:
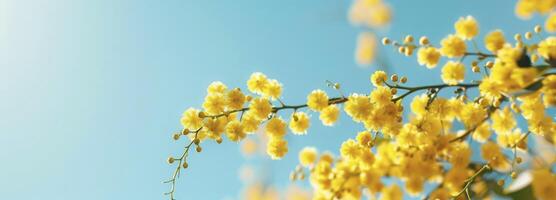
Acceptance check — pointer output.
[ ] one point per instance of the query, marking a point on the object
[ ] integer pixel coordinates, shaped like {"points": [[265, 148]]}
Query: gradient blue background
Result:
{"points": [[92, 90]]}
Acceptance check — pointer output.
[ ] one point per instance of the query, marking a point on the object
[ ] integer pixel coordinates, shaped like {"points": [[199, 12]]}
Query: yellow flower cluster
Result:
{"points": [[370, 13], [516, 82]]}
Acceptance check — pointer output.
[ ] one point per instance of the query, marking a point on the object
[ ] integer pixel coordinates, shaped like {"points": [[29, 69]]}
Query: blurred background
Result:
{"points": [[91, 91]]}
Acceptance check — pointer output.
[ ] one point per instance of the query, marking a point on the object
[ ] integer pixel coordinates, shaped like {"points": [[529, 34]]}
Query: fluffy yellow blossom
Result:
{"points": [[329, 115], [471, 114], [214, 127], [414, 186], [428, 56], [454, 179], [260, 108], [511, 139], [366, 48], [460, 155], [214, 104], [380, 16], [503, 121], [276, 128], [358, 107], [381, 96], [467, 27], [494, 41], [490, 89], [452, 46], [257, 83], [508, 54], [234, 131], [392, 192], [249, 147], [299, 123], [190, 119], [364, 138], [350, 149], [418, 104], [308, 156], [547, 48], [317, 100], [440, 193], [453, 72], [549, 90], [273, 89], [544, 184], [277, 148], [492, 153], [378, 78], [525, 8], [235, 99], [216, 87], [550, 24], [250, 123], [370, 13], [482, 133]]}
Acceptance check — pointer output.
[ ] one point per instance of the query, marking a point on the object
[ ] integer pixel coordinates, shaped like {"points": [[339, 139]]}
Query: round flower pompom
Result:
{"points": [[550, 24], [190, 119], [260, 108], [329, 115], [273, 89], [299, 123], [350, 149], [381, 96], [217, 87], [467, 27], [276, 128], [214, 103], [495, 41], [391, 192], [317, 100], [257, 83], [453, 73], [308, 156], [544, 183], [277, 148], [234, 131], [547, 48], [359, 107], [366, 49], [452, 46], [235, 99], [378, 78], [428, 56], [492, 153]]}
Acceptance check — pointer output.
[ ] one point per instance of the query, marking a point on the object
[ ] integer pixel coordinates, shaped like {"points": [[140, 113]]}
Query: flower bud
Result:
{"points": [[385, 41], [394, 78], [538, 29], [424, 40], [170, 160], [176, 136], [403, 79]]}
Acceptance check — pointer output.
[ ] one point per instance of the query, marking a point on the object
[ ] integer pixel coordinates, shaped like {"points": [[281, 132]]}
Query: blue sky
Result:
{"points": [[92, 90]]}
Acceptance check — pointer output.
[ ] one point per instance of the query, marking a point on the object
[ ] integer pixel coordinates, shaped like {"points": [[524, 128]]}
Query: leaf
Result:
{"points": [[524, 193], [535, 86], [551, 62], [524, 60]]}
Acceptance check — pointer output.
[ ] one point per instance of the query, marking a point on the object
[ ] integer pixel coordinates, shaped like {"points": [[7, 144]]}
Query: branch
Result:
{"points": [[469, 181], [411, 90], [491, 109]]}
